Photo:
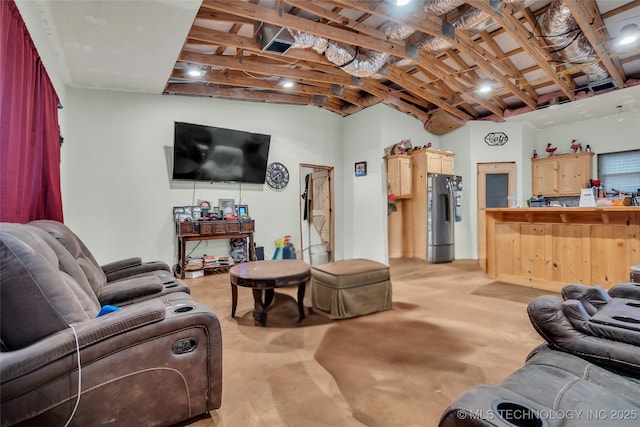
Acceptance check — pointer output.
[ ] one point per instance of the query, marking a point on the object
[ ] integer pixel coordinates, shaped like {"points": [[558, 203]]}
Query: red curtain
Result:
{"points": [[29, 132]]}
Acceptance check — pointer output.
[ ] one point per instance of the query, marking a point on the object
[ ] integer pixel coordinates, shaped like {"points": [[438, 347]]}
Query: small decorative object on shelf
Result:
{"points": [[575, 146], [535, 154], [588, 149], [550, 149]]}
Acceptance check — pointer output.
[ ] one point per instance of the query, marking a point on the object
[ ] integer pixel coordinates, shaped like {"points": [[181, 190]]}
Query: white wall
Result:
{"points": [[470, 148], [604, 135], [120, 195], [366, 134]]}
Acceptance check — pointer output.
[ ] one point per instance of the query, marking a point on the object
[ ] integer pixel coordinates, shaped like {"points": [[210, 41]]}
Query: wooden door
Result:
{"points": [[320, 212], [317, 220], [496, 181]]}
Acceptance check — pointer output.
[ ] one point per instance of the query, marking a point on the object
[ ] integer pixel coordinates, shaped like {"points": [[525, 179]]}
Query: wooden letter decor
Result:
{"points": [[496, 138]]}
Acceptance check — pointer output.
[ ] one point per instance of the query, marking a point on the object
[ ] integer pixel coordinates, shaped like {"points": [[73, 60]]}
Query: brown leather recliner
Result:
{"points": [[120, 282], [153, 362]]}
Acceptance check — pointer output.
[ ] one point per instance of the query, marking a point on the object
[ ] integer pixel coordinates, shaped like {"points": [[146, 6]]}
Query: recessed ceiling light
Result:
{"points": [[402, 2], [287, 83], [485, 86], [194, 70], [628, 34]]}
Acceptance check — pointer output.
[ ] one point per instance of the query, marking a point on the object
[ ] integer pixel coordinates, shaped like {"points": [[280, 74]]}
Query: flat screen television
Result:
{"points": [[207, 153]]}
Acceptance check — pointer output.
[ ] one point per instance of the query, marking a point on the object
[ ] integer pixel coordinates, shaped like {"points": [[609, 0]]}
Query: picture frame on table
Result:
{"points": [[227, 207], [243, 211]]}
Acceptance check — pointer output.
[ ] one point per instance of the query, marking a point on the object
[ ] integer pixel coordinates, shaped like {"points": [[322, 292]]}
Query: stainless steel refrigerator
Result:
{"points": [[443, 209]]}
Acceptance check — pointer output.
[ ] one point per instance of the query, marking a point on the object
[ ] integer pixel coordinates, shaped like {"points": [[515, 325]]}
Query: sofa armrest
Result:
{"points": [[131, 266], [20, 362], [124, 290], [121, 264], [630, 290]]}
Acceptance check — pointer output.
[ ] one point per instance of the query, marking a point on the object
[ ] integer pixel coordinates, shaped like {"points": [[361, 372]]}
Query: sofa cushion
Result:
{"points": [[77, 249], [36, 299], [47, 245]]}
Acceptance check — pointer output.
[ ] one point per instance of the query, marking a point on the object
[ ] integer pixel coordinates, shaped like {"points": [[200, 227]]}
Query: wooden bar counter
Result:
{"points": [[547, 248]]}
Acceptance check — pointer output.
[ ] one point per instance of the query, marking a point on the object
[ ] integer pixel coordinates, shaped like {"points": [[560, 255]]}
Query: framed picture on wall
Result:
{"points": [[361, 169], [227, 207]]}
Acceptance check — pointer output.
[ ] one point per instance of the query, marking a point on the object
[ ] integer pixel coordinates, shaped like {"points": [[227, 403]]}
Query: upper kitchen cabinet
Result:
{"points": [[434, 161], [561, 175], [399, 175]]}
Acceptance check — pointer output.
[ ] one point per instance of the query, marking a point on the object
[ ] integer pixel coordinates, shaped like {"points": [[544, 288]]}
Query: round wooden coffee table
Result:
{"points": [[263, 277]]}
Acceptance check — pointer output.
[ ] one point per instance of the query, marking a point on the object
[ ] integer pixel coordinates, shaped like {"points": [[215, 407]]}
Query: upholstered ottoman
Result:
{"points": [[350, 288]]}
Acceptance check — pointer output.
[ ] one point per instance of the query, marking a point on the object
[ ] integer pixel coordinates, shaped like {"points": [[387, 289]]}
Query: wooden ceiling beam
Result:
{"points": [[514, 73], [250, 66], [321, 30], [587, 16], [270, 16], [403, 79], [505, 17], [239, 79], [412, 84], [425, 23], [497, 109], [245, 95], [532, 18], [212, 15]]}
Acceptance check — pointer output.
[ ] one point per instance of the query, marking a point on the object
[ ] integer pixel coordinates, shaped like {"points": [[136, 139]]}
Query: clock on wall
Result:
{"points": [[277, 175]]}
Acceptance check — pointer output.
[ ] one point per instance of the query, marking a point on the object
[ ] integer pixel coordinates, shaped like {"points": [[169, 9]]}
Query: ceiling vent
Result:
{"points": [[275, 39], [603, 84]]}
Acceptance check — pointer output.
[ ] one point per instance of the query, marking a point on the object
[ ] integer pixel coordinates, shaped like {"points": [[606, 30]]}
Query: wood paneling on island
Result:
{"points": [[547, 248]]}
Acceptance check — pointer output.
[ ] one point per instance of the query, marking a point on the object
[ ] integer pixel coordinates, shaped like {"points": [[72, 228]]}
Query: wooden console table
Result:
{"points": [[209, 230]]}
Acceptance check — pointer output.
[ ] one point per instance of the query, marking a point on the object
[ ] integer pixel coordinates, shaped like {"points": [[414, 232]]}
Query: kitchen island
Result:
{"points": [[549, 247]]}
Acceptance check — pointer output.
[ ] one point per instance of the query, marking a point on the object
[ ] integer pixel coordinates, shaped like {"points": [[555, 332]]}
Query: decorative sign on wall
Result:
{"points": [[496, 138]]}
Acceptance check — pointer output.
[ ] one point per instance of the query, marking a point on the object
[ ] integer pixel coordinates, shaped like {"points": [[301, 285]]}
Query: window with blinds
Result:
{"points": [[620, 171]]}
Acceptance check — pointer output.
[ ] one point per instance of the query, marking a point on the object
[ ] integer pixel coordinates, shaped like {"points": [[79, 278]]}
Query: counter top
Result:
{"points": [[569, 209], [573, 215]]}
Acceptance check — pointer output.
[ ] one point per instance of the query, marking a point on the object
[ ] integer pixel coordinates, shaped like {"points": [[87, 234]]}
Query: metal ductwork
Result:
{"points": [[356, 61], [275, 39], [561, 31]]}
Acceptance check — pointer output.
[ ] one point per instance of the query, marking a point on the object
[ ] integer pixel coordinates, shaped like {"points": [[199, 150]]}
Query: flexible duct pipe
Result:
{"points": [[560, 29]]}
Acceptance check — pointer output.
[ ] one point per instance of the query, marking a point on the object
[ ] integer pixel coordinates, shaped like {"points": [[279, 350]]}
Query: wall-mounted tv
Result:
{"points": [[207, 153]]}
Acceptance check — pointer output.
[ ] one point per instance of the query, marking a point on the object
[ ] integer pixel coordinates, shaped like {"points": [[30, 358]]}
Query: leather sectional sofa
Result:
{"points": [[586, 374], [154, 358]]}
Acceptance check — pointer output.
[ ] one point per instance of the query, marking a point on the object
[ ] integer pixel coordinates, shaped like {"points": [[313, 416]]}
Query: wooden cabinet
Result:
{"points": [[561, 175], [407, 179], [435, 161], [425, 161], [548, 248], [399, 175], [447, 164]]}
